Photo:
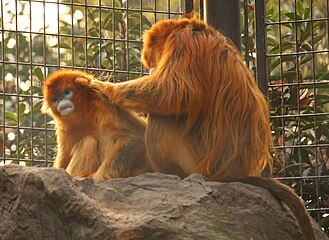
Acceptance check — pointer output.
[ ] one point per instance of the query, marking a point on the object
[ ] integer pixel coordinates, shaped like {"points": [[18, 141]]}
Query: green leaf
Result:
{"points": [[117, 3], [287, 46], [107, 44], [317, 24], [306, 33], [118, 16], [307, 126], [324, 76], [21, 109], [317, 39], [324, 221], [92, 32], [307, 13], [290, 15], [306, 59], [320, 96], [294, 167], [306, 172], [299, 8], [25, 142], [93, 43], [319, 169], [289, 75], [12, 123], [272, 40], [322, 130], [273, 64], [107, 22], [95, 55], [307, 47], [38, 73], [62, 45], [37, 90], [11, 116]]}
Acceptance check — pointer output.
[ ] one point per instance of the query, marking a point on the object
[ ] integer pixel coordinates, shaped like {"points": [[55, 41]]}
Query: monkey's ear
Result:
{"points": [[152, 70], [80, 81]]}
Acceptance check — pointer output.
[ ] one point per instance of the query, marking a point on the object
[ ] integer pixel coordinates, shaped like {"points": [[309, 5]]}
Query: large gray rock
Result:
{"points": [[45, 203]]}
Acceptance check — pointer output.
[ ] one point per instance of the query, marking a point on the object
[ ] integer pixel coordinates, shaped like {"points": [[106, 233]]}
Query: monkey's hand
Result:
{"points": [[103, 87], [99, 86], [82, 81]]}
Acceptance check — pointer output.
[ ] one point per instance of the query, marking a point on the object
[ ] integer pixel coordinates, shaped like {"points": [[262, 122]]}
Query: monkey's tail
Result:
{"points": [[289, 197]]}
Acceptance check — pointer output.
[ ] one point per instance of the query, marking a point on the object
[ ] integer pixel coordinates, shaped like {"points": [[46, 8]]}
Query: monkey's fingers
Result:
{"points": [[99, 85], [82, 81]]}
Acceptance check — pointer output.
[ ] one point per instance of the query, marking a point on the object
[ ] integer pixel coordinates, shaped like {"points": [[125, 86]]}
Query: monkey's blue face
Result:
{"points": [[63, 102]]}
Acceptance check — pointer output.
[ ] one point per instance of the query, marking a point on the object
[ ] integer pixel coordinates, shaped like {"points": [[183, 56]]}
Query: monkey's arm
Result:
{"points": [[146, 94], [85, 160], [61, 160], [105, 171], [63, 155]]}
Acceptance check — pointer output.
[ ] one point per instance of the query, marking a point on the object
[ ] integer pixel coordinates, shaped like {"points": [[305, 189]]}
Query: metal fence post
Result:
{"points": [[262, 74], [225, 16], [187, 6]]}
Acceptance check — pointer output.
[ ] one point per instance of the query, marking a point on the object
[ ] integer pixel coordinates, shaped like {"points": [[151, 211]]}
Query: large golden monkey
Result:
{"points": [[95, 137], [206, 114]]}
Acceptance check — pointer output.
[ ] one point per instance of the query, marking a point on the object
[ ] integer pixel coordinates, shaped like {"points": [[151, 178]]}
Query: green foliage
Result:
{"points": [[105, 41], [298, 97]]}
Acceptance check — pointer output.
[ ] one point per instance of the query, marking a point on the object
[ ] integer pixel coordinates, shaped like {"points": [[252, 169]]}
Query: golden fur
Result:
{"points": [[99, 139], [205, 111], [202, 94]]}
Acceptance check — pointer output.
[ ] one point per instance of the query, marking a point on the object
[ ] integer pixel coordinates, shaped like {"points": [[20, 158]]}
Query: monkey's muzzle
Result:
{"points": [[65, 107]]}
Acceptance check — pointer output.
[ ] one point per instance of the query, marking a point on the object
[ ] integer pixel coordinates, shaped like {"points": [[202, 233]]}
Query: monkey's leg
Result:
{"points": [[172, 158], [63, 156], [130, 157], [62, 160], [85, 160], [105, 169], [169, 150], [124, 157]]}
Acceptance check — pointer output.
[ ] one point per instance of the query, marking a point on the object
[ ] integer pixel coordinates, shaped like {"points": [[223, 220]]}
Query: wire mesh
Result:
{"points": [[104, 37], [39, 37], [295, 68]]}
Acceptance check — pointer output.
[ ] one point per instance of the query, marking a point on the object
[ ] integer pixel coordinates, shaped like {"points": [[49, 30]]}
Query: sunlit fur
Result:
{"points": [[99, 139], [205, 111], [204, 106]]}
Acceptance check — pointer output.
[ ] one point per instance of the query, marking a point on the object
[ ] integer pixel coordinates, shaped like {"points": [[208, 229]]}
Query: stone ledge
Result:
{"points": [[46, 203]]}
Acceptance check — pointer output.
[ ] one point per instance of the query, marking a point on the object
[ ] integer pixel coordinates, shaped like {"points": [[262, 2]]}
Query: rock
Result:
{"points": [[46, 203]]}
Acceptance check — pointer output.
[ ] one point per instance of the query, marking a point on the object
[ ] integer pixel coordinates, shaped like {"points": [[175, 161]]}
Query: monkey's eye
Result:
{"points": [[68, 93], [54, 100]]}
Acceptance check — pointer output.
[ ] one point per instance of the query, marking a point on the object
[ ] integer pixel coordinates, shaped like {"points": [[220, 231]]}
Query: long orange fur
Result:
{"points": [[206, 93], [205, 111], [99, 139]]}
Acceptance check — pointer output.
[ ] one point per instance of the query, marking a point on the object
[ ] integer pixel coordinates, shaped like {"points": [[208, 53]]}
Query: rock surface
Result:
{"points": [[46, 203]]}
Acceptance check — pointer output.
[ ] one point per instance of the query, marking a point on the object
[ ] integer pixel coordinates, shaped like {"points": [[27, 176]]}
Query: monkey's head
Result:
{"points": [[65, 93], [154, 40]]}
